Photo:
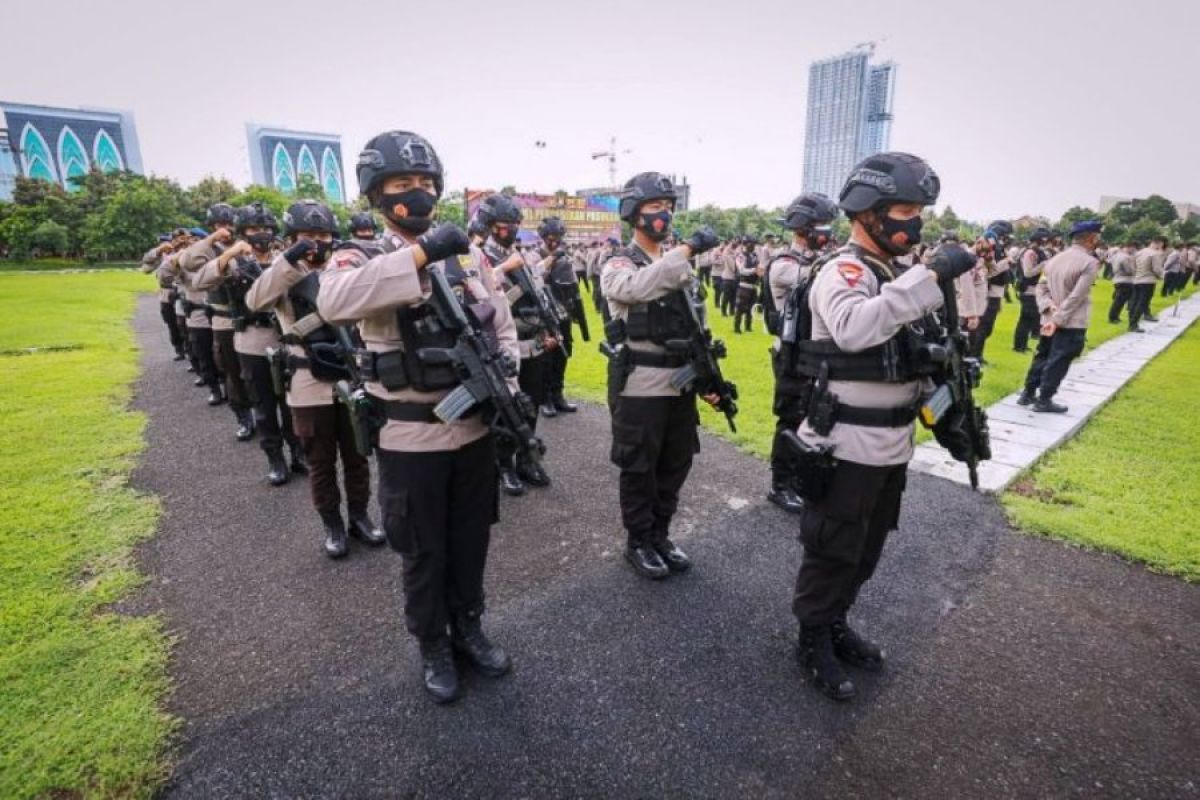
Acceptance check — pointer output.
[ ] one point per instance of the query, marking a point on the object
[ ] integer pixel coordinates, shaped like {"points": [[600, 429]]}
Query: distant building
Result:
{"points": [[58, 144], [850, 112], [278, 157], [683, 190], [1184, 210]]}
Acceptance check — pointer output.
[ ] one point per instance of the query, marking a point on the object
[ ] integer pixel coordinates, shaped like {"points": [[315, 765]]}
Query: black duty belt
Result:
{"points": [[876, 417], [663, 360], [258, 321], [297, 362], [401, 411], [220, 312]]}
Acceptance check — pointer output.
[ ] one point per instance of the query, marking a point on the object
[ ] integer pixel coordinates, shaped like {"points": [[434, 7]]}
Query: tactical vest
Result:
{"points": [[1027, 283], [420, 329], [661, 320], [325, 355], [772, 315], [246, 271], [218, 295], [909, 355]]}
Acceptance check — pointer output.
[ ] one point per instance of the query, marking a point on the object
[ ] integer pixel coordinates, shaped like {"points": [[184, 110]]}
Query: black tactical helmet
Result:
{"points": [[256, 215], [885, 179], [362, 221], [476, 227], [552, 226], [1040, 235], [398, 153], [309, 215], [948, 236], [220, 214], [808, 210], [642, 188], [499, 208], [1000, 228]]}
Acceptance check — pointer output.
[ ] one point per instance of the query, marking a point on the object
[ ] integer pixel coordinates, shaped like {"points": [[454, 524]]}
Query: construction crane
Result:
{"points": [[611, 155]]}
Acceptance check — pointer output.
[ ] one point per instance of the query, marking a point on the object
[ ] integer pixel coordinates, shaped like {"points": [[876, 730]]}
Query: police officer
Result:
{"points": [[195, 301], [315, 363], [1031, 261], [808, 217], [254, 334], [749, 272], [1122, 279], [503, 219], [654, 425], [866, 316], [561, 280], [997, 271], [363, 227], [1148, 264], [152, 261], [1064, 297], [212, 282], [437, 481]]}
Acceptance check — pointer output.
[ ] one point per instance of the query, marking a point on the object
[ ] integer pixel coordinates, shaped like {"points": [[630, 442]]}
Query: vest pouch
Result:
{"points": [[326, 361]]}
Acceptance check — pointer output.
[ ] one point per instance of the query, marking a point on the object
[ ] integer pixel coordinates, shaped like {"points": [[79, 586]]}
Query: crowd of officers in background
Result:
{"points": [[339, 345]]}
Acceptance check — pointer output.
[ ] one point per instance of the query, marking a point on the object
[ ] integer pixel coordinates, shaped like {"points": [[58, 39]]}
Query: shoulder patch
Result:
{"points": [[852, 273], [621, 262], [345, 260]]}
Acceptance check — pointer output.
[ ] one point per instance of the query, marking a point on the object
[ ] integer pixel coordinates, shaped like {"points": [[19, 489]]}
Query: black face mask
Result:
{"points": [[320, 252], [898, 236], [657, 226], [417, 202], [261, 241], [508, 238]]}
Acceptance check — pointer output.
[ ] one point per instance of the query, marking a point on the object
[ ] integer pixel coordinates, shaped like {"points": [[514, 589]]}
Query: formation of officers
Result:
{"points": [[389, 343]]}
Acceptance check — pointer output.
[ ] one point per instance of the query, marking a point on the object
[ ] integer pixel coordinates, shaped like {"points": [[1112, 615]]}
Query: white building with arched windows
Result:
{"points": [[284, 158], [59, 144]]}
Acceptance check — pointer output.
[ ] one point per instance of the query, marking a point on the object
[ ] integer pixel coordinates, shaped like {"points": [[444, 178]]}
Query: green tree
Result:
{"points": [[1187, 230], [1144, 230], [1158, 208], [50, 238], [32, 191], [130, 221], [309, 188], [1075, 214], [209, 190], [269, 196], [452, 208]]}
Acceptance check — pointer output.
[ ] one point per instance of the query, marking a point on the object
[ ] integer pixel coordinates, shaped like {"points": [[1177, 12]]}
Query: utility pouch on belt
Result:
{"points": [[822, 405], [365, 417], [277, 360], [812, 466]]}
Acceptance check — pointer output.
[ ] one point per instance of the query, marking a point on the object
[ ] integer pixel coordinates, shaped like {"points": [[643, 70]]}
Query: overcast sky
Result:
{"points": [[1020, 106]]}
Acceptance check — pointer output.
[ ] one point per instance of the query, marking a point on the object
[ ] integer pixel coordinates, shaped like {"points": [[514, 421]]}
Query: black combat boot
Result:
{"points": [[645, 560], [441, 676], [469, 639], [277, 473], [363, 529], [1045, 405], [675, 559], [179, 356], [510, 483], [1027, 398], [816, 655], [199, 381], [786, 498], [532, 473], [548, 410], [563, 407], [854, 649], [299, 462], [245, 431], [336, 545], [216, 395]]}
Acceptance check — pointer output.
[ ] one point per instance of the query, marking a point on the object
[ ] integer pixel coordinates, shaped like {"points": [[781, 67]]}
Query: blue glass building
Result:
{"points": [[849, 118], [58, 144], [278, 157]]}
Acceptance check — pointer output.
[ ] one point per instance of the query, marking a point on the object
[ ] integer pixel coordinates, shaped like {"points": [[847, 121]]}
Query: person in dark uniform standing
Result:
{"points": [[1064, 297], [220, 219], [865, 310], [1030, 263], [561, 279], [749, 273], [152, 262], [437, 480], [808, 218], [289, 288], [503, 219], [654, 434], [255, 333]]}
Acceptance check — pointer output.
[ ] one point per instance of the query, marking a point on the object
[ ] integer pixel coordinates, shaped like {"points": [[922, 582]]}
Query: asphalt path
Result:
{"points": [[1017, 667]]}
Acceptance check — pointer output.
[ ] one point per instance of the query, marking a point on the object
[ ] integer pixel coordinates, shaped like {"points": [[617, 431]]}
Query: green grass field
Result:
{"points": [[80, 687], [1127, 482], [749, 366], [56, 264]]}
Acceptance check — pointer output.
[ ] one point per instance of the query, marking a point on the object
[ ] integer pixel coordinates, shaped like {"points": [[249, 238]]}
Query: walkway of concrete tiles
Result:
{"points": [[1020, 436]]}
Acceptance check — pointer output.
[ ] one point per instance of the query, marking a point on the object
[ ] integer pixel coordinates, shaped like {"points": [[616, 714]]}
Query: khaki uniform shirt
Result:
{"points": [[1148, 266], [253, 341], [787, 270], [1064, 294], [191, 260], [370, 292], [1032, 268], [850, 307], [624, 284], [1122, 267], [151, 263]]}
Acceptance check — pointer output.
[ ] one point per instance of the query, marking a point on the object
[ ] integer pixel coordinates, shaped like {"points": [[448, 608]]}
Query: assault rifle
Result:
{"points": [[963, 425], [547, 316], [484, 370], [702, 372], [365, 418]]}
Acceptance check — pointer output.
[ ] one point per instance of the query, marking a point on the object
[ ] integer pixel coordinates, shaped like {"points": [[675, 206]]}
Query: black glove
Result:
{"points": [[951, 433], [443, 241], [950, 261], [297, 252], [702, 240]]}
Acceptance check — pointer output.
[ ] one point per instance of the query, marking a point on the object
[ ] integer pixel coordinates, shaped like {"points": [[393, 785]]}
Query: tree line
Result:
{"points": [[112, 216]]}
